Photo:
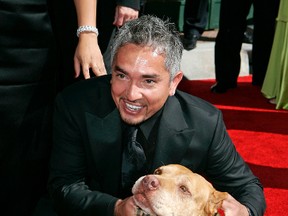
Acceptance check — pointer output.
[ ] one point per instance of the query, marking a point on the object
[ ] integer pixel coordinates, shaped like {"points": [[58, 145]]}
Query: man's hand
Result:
{"points": [[124, 14], [232, 207], [125, 207]]}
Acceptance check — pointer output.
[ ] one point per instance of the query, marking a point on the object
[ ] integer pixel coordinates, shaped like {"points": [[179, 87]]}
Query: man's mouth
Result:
{"points": [[133, 107]]}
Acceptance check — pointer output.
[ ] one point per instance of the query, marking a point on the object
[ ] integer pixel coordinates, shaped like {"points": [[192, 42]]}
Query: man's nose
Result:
{"points": [[133, 92]]}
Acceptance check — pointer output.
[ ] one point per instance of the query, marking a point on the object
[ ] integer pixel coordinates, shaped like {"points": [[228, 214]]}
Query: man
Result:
{"points": [[91, 117]]}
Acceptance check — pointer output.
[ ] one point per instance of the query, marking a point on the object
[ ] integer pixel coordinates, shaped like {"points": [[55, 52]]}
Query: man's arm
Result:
{"points": [[232, 207], [228, 172], [67, 182]]}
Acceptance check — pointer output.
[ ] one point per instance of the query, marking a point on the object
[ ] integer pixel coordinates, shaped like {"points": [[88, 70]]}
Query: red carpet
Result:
{"points": [[259, 132]]}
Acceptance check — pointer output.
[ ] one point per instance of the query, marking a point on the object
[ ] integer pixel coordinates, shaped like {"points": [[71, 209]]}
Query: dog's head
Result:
{"points": [[176, 190]]}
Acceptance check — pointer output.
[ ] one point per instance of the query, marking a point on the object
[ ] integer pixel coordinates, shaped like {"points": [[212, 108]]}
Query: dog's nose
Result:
{"points": [[150, 182]]}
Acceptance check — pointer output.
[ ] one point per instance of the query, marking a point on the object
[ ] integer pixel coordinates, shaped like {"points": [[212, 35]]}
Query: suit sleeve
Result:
{"points": [[228, 172], [67, 187]]}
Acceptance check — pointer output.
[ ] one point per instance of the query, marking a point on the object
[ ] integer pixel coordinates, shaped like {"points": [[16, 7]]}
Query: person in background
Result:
{"points": [[91, 172], [232, 25], [86, 55], [27, 91], [275, 86], [83, 55], [195, 22]]}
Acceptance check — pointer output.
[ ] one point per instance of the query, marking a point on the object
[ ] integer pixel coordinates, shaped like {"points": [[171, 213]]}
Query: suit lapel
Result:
{"points": [[174, 136], [104, 136]]}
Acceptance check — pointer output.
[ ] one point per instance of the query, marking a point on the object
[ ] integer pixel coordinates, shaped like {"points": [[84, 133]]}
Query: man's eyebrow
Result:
{"points": [[155, 76], [117, 68], [150, 76]]}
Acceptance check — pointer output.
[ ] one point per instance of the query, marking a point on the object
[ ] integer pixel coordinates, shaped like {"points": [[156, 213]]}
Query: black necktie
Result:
{"points": [[134, 159]]}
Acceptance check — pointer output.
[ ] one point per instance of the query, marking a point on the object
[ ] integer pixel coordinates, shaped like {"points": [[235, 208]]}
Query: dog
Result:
{"points": [[174, 190]]}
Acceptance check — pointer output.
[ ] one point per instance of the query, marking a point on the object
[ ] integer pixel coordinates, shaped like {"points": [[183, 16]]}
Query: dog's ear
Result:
{"points": [[215, 202]]}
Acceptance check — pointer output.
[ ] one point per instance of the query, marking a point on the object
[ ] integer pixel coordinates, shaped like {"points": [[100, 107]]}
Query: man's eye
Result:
{"points": [[150, 82], [120, 75]]}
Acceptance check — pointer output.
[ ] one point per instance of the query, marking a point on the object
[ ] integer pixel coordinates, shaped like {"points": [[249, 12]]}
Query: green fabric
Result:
{"points": [[276, 80]]}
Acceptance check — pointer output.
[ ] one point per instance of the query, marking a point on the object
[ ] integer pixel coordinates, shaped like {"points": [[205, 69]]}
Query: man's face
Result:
{"points": [[140, 83]]}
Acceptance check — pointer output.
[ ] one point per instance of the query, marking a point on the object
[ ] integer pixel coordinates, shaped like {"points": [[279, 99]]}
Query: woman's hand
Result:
{"points": [[88, 55], [124, 14]]}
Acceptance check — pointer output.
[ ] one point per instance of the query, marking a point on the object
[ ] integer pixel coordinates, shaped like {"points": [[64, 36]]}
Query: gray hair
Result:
{"points": [[156, 33]]}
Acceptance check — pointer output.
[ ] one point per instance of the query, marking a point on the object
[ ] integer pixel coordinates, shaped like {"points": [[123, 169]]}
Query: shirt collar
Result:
{"points": [[147, 125]]}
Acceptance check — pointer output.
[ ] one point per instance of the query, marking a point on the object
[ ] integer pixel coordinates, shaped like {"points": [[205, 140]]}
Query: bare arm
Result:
{"points": [[88, 54]]}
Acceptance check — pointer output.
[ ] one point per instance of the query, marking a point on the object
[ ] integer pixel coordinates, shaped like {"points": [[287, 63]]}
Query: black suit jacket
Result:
{"points": [[86, 158]]}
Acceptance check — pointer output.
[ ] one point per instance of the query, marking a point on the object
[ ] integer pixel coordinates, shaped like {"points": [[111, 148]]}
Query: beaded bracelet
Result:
{"points": [[87, 28]]}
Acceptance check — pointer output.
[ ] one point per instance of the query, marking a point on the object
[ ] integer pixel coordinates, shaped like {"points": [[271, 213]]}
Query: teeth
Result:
{"points": [[133, 107]]}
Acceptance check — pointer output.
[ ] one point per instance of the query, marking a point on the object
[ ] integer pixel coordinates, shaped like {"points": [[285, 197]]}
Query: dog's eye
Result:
{"points": [[157, 172], [184, 189]]}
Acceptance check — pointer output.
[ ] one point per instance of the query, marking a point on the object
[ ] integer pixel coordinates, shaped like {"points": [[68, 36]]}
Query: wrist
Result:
{"points": [[87, 28], [249, 211], [116, 210]]}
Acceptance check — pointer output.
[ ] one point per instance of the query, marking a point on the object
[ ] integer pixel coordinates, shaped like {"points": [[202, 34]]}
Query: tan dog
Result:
{"points": [[174, 190]]}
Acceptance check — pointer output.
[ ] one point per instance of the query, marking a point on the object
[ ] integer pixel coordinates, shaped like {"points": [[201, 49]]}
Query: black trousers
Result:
{"points": [[195, 17], [232, 26]]}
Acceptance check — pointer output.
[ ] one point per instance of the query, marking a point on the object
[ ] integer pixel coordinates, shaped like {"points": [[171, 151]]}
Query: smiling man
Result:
{"points": [[93, 167], [141, 83]]}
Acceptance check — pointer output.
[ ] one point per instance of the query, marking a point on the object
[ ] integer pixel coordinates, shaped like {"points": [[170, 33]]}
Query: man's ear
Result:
{"points": [[174, 83], [215, 202]]}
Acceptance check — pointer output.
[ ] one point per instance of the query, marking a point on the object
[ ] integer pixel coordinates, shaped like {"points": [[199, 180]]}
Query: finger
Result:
{"points": [[85, 71], [99, 71], [76, 68], [115, 17], [120, 20]]}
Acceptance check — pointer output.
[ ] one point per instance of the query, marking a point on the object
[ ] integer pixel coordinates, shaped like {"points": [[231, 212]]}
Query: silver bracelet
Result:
{"points": [[87, 28]]}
